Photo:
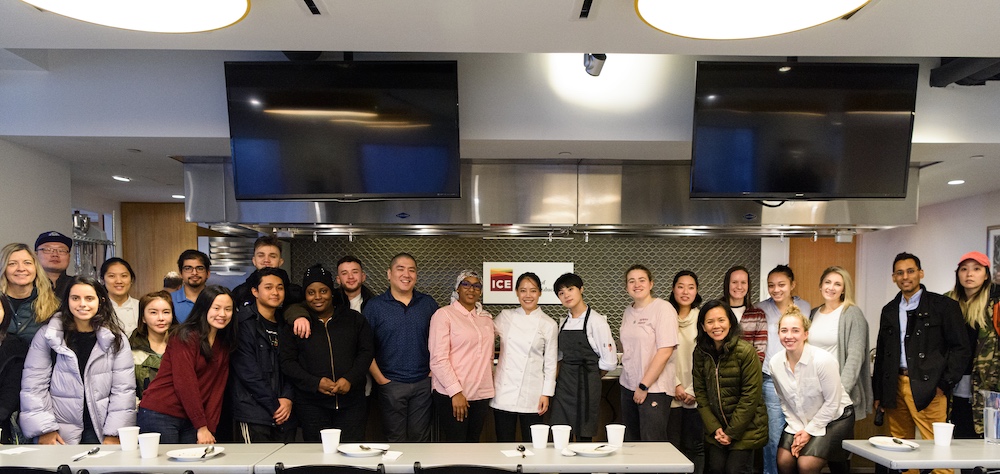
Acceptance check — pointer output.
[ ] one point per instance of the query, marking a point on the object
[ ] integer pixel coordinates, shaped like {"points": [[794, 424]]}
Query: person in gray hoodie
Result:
{"points": [[78, 384]]}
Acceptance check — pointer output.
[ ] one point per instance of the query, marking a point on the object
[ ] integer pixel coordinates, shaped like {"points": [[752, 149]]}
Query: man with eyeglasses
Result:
{"points": [[53, 253], [921, 353], [193, 266]]}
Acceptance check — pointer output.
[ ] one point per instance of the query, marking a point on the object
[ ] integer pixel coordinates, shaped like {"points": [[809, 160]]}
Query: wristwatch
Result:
{"points": [[643, 387]]}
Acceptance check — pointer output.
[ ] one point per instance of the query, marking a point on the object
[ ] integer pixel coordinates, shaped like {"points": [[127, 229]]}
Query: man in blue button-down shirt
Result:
{"points": [[400, 319]]}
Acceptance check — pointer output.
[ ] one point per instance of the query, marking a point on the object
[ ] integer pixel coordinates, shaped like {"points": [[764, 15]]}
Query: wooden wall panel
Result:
{"points": [[153, 235], [808, 259]]}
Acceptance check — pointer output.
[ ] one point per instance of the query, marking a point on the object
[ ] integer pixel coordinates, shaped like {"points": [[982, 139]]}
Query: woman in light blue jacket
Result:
{"points": [[78, 384]]}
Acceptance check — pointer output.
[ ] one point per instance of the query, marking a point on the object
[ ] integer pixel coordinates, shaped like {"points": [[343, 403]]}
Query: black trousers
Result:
{"points": [[350, 420], [506, 425], [719, 460], [466, 431], [686, 431], [646, 422]]}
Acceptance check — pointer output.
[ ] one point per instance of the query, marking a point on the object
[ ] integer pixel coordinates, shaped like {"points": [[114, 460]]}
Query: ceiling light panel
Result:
{"points": [[154, 16]]}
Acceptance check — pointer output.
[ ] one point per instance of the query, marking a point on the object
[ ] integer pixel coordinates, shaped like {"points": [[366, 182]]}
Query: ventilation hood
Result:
{"points": [[541, 199]]}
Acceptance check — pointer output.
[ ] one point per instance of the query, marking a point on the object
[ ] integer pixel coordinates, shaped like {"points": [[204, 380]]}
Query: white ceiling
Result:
{"points": [[87, 94]]}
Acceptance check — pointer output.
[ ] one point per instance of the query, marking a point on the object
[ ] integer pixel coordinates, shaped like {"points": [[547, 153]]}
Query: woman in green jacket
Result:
{"points": [[727, 385]]}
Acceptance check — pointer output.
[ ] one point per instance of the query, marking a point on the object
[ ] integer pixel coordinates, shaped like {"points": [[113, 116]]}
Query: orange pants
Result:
{"points": [[904, 419]]}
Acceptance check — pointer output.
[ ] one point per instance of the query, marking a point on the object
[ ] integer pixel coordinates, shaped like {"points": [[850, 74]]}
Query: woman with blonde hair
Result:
{"points": [[817, 409], [840, 328], [29, 290], [979, 299]]}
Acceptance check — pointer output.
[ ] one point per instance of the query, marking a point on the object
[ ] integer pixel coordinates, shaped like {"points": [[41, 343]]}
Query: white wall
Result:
{"points": [[943, 233], [35, 194]]}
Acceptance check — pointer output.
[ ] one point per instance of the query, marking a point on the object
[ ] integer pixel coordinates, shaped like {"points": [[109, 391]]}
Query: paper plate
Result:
{"points": [[892, 444], [363, 449], [194, 454], [592, 449]]}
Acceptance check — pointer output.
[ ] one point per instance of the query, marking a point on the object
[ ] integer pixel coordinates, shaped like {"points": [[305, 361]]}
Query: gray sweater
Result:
{"points": [[855, 369]]}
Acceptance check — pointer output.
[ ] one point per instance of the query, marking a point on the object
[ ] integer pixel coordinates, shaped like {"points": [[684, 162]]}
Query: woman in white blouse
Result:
{"points": [[526, 374], [117, 276], [817, 409]]}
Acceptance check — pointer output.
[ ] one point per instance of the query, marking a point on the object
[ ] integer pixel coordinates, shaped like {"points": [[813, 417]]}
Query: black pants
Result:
{"points": [[350, 420], [406, 411], [719, 460], [646, 422], [466, 431], [255, 433], [506, 425], [686, 431]]}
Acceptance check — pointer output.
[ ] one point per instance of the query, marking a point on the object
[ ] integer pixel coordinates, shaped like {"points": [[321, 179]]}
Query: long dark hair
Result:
{"points": [[104, 317], [197, 322], [704, 341], [142, 328], [697, 296], [725, 284]]}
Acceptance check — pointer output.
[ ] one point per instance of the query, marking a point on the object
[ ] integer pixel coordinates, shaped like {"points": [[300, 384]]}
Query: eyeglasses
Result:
{"points": [[51, 251], [908, 271], [474, 286], [190, 269]]}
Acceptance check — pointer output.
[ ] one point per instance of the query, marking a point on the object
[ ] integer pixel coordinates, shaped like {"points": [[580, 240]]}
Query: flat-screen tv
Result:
{"points": [[344, 130], [778, 131]]}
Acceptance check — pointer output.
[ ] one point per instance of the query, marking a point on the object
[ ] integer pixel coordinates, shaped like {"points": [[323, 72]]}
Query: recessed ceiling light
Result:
{"points": [[177, 196], [784, 68], [121, 178], [956, 182], [740, 19], [154, 16], [976, 157], [133, 150]]}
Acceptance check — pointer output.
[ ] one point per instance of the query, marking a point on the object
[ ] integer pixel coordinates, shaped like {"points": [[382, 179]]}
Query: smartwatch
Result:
{"points": [[643, 387]]}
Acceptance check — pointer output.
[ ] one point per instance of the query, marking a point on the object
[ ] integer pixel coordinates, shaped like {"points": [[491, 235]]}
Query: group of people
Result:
{"points": [[80, 358]]}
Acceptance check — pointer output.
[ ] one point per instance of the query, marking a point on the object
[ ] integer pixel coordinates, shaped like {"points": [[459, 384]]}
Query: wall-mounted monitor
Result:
{"points": [[780, 131], [344, 130]]}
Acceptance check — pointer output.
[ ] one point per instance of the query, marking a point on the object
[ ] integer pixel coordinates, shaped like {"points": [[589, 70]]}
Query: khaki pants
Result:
{"points": [[905, 419]]}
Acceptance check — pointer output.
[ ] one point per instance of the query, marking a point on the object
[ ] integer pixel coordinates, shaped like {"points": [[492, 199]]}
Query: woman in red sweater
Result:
{"points": [[184, 401]]}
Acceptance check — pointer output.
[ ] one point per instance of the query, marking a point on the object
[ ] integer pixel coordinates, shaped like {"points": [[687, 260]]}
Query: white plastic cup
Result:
{"points": [[331, 439], [616, 435], [560, 436], [128, 436], [539, 436], [149, 445], [942, 433]]}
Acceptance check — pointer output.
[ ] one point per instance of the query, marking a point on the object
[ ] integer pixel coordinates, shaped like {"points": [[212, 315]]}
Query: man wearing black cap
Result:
{"points": [[261, 395], [53, 253]]}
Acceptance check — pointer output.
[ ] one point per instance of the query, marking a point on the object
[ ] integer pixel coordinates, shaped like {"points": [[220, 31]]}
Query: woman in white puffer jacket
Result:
{"points": [[68, 398]]}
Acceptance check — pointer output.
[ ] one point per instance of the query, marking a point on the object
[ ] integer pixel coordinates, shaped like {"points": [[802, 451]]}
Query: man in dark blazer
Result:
{"points": [[921, 352]]}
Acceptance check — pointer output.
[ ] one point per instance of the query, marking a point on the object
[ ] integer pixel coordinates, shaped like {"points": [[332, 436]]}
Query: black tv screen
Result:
{"points": [[344, 130], [802, 130]]}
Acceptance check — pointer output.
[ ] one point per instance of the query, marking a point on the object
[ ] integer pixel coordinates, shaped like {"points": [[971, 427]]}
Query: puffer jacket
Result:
{"points": [[147, 362], [52, 398], [730, 396]]}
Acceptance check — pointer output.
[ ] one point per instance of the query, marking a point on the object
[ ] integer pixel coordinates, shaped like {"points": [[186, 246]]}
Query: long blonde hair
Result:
{"points": [[974, 309], [847, 297], [46, 303]]}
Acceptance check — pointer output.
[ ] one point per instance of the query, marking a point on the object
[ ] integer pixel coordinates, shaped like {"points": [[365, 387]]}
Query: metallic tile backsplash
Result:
{"points": [[601, 262]]}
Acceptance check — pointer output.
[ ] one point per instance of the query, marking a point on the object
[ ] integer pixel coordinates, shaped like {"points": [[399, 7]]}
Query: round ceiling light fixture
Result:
{"points": [[154, 16], [740, 19]]}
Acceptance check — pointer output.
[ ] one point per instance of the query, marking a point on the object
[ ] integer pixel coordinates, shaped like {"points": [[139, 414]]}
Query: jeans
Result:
{"points": [[775, 425], [172, 430]]}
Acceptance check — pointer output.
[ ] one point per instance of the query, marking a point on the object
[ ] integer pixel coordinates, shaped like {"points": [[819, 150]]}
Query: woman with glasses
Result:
{"points": [[526, 374], [117, 276], [29, 290], [461, 347]]}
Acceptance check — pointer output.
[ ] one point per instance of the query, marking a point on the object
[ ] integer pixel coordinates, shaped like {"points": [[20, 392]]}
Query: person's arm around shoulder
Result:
{"points": [[38, 417], [121, 402], [297, 316]]}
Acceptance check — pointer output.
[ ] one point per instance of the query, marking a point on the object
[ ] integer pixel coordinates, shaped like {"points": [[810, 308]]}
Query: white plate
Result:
{"points": [[356, 450], [194, 454], [592, 449], [887, 443]]}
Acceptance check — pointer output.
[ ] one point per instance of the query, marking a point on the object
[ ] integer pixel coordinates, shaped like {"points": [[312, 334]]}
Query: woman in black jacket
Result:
{"points": [[327, 368], [12, 352]]}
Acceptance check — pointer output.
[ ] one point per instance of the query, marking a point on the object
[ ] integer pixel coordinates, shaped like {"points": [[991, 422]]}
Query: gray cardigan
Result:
{"points": [[855, 369]]}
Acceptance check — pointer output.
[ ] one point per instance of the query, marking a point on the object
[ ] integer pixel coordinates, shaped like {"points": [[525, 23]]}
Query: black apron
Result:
{"points": [[578, 386]]}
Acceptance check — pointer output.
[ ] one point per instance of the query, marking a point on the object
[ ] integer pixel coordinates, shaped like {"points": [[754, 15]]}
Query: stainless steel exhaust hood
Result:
{"points": [[542, 199]]}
